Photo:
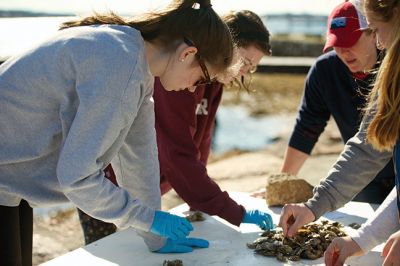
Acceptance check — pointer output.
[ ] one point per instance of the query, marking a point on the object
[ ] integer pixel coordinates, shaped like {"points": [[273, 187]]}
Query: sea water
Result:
{"points": [[236, 129]]}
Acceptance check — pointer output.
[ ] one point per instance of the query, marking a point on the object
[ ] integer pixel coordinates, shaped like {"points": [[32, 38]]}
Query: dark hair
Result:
{"points": [[248, 29], [192, 19]]}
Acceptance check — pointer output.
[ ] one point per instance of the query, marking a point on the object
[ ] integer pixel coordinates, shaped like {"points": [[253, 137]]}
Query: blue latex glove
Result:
{"points": [[171, 226], [183, 245], [262, 219]]}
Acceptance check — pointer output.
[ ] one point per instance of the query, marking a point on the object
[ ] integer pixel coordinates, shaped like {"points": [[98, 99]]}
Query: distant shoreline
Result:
{"points": [[23, 13]]}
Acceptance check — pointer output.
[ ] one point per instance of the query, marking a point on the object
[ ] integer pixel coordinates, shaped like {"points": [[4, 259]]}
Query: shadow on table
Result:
{"points": [[372, 258], [344, 218]]}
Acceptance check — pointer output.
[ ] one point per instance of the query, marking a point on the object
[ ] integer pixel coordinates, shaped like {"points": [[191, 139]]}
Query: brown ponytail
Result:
{"points": [[193, 19]]}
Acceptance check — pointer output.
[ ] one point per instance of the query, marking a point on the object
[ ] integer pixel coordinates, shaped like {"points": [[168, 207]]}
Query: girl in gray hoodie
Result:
{"points": [[82, 99]]}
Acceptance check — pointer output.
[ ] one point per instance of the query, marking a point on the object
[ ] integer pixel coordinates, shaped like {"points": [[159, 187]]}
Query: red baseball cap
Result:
{"points": [[345, 25]]}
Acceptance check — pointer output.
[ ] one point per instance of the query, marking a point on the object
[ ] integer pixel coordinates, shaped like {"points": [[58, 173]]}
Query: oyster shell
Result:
{"points": [[195, 216], [310, 242], [172, 263]]}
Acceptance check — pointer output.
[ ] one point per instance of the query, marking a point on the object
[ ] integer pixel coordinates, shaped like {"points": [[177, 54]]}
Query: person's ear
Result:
{"points": [[187, 53], [374, 37]]}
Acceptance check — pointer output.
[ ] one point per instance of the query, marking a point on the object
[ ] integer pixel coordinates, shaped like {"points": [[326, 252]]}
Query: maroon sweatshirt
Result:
{"points": [[184, 125]]}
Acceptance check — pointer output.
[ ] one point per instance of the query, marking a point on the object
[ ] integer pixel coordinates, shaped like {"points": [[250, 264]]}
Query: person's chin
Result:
{"points": [[354, 69], [168, 87], [173, 89]]}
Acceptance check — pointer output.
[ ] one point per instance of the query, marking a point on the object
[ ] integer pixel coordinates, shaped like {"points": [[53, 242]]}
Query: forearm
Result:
{"points": [[88, 149], [137, 168], [94, 192], [356, 166], [199, 191], [380, 226], [183, 158], [293, 161]]}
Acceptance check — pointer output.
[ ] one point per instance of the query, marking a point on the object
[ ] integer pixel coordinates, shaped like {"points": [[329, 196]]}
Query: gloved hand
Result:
{"points": [[183, 245], [262, 219], [170, 225]]}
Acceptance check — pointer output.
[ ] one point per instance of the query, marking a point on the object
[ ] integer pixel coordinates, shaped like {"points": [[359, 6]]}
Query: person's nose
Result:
{"points": [[244, 70]]}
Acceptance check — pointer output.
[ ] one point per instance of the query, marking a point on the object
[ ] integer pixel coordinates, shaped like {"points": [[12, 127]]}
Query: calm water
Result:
{"points": [[296, 24], [18, 34], [237, 130], [51, 211]]}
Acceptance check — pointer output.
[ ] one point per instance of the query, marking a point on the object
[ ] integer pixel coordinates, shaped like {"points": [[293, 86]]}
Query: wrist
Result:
{"points": [[156, 220], [246, 217], [311, 216]]}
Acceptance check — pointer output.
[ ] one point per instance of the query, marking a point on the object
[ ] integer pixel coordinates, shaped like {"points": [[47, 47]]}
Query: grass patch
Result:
{"points": [[271, 93]]}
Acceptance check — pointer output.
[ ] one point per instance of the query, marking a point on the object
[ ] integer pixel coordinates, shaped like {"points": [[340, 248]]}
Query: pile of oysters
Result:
{"points": [[310, 242], [172, 263]]}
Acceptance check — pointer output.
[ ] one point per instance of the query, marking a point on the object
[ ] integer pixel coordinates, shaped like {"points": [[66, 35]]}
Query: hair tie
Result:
{"points": [[197, 5]]}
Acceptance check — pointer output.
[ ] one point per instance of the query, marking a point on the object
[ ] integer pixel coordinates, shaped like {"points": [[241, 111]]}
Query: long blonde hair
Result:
{"points": [[384, 99], [192, 19]]}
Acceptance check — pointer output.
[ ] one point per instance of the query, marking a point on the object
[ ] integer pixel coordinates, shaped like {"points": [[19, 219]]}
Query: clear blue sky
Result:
{"points": [[126, 7]]}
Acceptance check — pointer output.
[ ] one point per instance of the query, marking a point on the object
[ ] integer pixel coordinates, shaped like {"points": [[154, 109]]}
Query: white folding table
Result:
{"points": [[227, 242]]}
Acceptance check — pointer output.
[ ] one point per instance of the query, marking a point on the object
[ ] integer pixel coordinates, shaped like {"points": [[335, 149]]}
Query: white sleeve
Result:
{"points": [[380, 226]]}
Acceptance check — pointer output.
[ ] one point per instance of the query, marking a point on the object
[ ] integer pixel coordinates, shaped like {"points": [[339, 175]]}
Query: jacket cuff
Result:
{"points": [[318, 204], [153, 242], [301, 143], [364, 242]]}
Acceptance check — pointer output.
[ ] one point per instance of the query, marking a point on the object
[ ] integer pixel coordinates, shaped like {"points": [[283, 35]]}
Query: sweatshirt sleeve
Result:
{"points": [[378, 228], [356, 166], [313, 114], [205, 145], [180, 159], [138, 171], [108, 110]]}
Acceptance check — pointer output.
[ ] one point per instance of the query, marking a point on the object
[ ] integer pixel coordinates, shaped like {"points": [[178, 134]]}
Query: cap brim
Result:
{"points": [[334, 41], [330, 42]]}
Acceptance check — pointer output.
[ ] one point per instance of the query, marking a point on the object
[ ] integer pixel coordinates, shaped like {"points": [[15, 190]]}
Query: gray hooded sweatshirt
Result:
{"points": [[67, 108], [356, 166]]}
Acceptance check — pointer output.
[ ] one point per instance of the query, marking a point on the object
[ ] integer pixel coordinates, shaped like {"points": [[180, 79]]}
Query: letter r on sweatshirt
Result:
{"points": [[201, 108]]}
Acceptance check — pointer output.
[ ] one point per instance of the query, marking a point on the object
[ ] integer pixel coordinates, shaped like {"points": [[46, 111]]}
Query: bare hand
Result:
{"points": [[340, 249], [259, 194], [294, 216], [391, 250]]}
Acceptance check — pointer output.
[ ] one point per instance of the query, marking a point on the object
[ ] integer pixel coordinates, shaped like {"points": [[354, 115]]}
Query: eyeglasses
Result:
{"points": [[207, 79], [245, 82], [248, 64]]}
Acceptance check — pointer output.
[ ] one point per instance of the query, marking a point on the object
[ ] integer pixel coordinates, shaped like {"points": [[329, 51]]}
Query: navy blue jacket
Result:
{"points": [[331, 90]]}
